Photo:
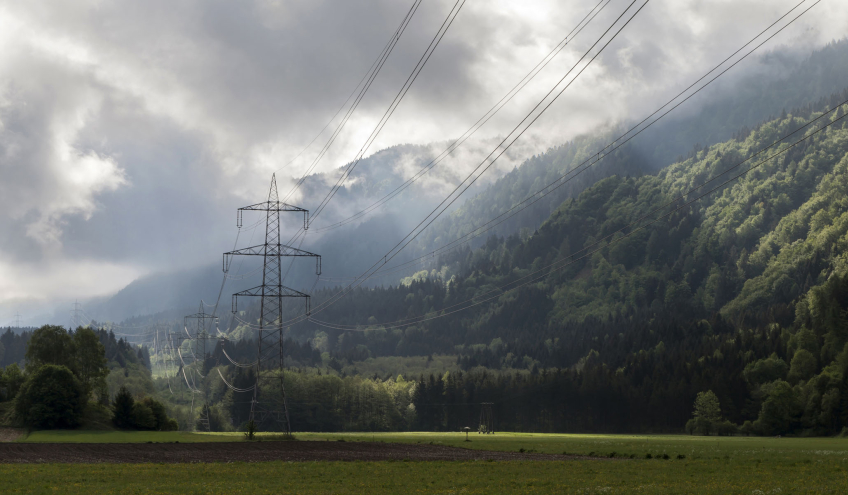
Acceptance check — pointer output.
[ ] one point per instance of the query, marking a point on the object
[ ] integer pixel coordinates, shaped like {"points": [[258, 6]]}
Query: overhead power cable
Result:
{"points": [[425, 57], [234, 363], [601, 243], [480, 122], [232, 387], [519, 129], [606, 150], [371, 75], [532, 116]]}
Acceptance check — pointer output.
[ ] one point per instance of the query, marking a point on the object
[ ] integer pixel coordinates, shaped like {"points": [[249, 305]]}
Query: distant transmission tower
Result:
{"points": [[270, 356], [17, 320], [199, 337], [487, 419], [75, 317]]}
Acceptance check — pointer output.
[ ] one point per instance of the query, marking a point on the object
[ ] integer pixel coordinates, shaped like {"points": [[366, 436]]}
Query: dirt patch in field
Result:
{"points": [[252, 452]]}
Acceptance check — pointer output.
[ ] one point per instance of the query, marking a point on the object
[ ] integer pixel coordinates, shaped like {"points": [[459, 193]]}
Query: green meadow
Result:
{"points": [[578, 477], [677, 464]]}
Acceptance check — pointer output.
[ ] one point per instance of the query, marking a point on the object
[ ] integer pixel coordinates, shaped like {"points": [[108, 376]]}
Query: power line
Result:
{"points": [[517, 131], [480, 122], [606, 150], [425, 57], [558, 265], [371, 75]]}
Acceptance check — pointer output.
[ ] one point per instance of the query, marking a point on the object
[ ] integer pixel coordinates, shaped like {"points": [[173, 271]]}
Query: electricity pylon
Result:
{"points": [[272, 291], [17, 320], [75, 315], [199, 339], [487, 419]]}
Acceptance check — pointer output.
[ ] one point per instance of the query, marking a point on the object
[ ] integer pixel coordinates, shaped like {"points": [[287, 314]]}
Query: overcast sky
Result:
{"points": [[130, 131]]}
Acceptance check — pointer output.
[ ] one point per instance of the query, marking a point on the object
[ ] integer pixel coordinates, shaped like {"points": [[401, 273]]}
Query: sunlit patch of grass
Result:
{"points": [[83, 436]]}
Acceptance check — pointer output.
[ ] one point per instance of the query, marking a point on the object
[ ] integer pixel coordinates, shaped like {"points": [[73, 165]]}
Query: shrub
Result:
{"points": [[12, 380], [122, 409], [51, 397], [160, 416], [142, 417], [726, 428]]}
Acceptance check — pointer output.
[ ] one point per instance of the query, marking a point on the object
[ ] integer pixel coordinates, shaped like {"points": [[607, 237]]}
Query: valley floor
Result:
{"points": [[677, 464]]}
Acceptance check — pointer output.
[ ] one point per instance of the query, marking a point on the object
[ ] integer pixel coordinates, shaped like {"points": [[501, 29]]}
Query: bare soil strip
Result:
{"points": [[252, 452]]}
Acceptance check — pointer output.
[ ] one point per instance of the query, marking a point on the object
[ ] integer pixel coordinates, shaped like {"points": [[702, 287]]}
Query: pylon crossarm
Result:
{"points": [[276, 206], [270, 291], [272, 206], [282, 250], [271, 250]]}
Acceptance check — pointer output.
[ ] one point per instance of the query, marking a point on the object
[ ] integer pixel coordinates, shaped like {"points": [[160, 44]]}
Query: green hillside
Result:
{"points": [[743, 292]]}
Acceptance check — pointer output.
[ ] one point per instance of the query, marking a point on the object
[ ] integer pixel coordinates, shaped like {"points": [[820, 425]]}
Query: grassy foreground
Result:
{"points": [[700, 465], [583, 477]]}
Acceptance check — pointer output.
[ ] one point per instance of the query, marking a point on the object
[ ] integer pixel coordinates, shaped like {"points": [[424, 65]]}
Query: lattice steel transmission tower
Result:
{"points": [[199, 339], [17, 320], [75, 317], [487, 419], [264, 408]]}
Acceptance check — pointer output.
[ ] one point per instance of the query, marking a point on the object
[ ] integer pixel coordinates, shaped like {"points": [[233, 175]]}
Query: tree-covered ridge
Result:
{"points": [[701, 255], [747, 251], [740, 105]]}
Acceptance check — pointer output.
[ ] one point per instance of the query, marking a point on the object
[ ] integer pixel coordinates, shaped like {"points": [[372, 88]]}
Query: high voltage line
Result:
{"points": [[381, 59], [389, 111], [416, 71], [597, 157], [518, 130], [370, 75], [546, 271], [606, 150], [540, 105], [498, 292], [480, 122]]}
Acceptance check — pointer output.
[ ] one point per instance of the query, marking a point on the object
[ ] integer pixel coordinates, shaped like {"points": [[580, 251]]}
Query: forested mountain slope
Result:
{"points": [[744, 292], [780, 85]]}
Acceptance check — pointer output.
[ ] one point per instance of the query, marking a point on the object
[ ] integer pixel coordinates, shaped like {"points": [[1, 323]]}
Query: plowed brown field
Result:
{"points": [[250, 452]]}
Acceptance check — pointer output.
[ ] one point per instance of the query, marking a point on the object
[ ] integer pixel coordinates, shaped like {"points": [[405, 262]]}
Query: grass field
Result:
{"points": [[700, 465], [81, 436]]}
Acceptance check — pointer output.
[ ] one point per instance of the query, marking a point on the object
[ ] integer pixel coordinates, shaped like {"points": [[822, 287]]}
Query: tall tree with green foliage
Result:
{"points": [[122, 409], [90, 357], [707, 414], [51, 397], [51, 344]]}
